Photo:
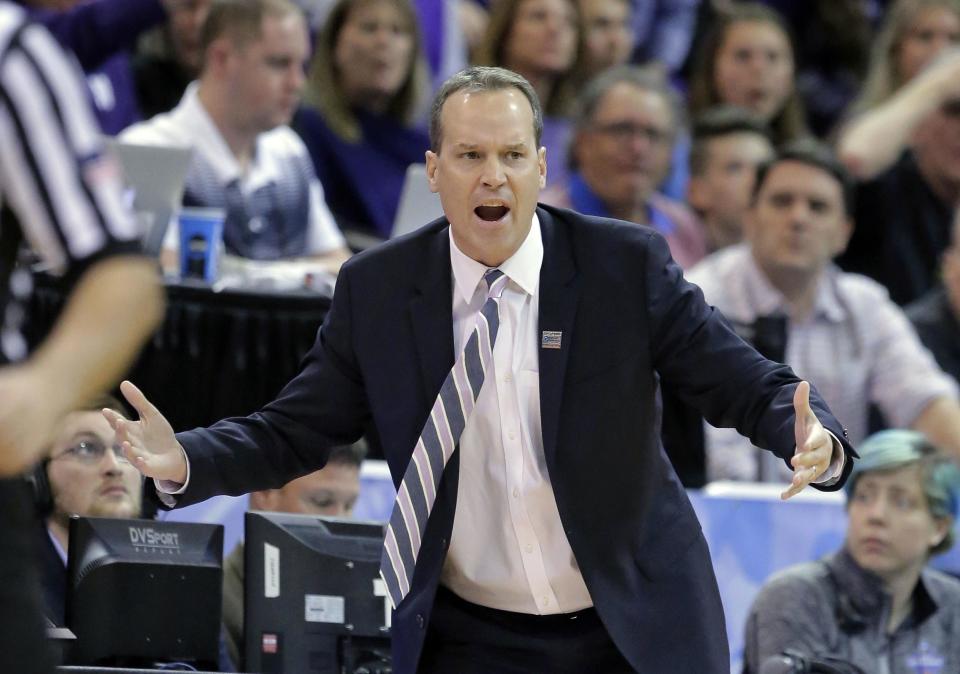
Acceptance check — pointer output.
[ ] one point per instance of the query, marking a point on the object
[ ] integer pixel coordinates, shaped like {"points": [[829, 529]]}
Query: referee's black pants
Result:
{"points": [[468, 639], [23, 647]]}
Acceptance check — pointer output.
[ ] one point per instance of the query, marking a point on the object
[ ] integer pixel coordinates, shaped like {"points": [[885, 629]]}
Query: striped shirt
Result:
{"points": [[857, 348], [59, 192], [274, 209]]}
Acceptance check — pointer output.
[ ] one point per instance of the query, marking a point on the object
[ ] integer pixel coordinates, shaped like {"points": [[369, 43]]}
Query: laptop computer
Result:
{"points": [[154, 175], [418, 205]]}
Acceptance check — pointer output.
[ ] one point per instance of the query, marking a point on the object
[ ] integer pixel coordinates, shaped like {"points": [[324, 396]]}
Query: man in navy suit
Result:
{"points": [[574, 547]]}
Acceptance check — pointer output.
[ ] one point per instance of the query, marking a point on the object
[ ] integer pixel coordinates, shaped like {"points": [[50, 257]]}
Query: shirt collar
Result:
{"points": [[522, 268], [209, 142], [61, 553], [585, 200], [768, 300], [866, 596]]}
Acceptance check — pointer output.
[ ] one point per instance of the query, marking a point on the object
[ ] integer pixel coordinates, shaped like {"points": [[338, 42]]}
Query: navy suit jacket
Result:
{"points": [[628, 319]]}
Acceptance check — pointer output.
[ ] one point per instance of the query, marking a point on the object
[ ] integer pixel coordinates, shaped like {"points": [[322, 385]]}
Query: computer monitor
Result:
{"points": [[314, 602], [141, 592]]}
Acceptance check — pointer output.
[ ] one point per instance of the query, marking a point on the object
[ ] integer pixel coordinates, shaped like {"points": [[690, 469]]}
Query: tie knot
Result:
{"points": [[495, 282]]}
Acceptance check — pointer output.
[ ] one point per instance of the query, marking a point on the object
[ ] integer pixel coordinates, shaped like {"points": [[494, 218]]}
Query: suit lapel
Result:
{"points": [[559, 293], [431, 315]]}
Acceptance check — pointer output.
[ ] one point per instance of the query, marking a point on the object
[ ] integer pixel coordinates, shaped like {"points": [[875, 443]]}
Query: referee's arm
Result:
{"points": [[66, 196]]}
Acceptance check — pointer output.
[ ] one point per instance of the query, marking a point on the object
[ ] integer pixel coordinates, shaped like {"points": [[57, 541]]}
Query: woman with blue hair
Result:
{"points": [[875, 605]]}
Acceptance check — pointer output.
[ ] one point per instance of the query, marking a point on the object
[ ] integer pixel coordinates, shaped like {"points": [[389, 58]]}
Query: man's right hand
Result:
{"points": [[149, 444]]}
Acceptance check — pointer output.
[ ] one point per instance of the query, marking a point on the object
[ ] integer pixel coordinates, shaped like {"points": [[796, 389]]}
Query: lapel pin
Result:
{"points": [[551, 339]]}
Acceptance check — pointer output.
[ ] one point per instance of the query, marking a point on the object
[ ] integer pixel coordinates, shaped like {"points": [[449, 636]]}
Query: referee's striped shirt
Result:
{"points": [[59, 191]]}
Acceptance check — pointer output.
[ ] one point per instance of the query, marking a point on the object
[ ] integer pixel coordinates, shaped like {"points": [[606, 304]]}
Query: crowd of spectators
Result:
{"points": [[803, 165], [370, 66]]}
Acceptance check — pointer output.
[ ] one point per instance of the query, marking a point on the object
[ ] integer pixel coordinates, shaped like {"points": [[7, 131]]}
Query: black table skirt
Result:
{"points": [[217, 354]]}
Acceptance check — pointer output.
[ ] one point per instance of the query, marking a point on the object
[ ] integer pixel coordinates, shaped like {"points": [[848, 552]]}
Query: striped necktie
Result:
{"points": [[438, 440]]}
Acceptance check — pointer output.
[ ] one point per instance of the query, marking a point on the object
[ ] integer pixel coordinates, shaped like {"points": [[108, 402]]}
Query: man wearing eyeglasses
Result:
{"points": [[84, 475], [625, 131]]}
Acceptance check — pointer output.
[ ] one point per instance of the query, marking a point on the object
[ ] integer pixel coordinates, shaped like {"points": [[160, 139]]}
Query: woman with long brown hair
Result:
{"points": [[366, 84], [747, 60], [543, 41]]}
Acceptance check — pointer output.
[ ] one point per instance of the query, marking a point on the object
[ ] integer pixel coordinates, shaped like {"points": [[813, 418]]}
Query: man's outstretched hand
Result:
{"points": [[814, 446], [149, 444]]}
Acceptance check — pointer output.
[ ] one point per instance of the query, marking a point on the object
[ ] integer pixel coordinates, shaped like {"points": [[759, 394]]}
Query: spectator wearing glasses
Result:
{"points": [[626, 125], [84, 474]]}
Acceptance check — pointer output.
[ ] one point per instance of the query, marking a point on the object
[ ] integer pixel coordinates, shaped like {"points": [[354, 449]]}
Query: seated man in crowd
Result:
{"points": [[842, 332], [246, 159], [874, 604], [86, 475], [624, 133], [936, 315], [729, 143], [332, 491]]}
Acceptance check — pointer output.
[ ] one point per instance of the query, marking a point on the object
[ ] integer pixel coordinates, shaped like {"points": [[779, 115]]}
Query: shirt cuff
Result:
{"points": [[829, 477], [167, 489]]}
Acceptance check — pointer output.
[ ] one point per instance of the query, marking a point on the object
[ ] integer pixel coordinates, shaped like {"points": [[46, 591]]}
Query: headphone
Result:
{"points": [[38, 482]]}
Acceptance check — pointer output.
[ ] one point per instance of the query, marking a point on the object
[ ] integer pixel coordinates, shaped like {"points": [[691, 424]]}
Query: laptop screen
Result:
{"points": [[154, 175], [418, 205]]}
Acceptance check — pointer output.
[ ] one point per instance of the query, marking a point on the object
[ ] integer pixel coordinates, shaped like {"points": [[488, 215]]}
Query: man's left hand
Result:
{"points": [[814, 450]]}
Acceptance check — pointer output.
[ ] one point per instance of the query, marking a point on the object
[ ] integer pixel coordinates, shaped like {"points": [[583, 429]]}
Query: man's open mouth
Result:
{"points": [[491, 213]]}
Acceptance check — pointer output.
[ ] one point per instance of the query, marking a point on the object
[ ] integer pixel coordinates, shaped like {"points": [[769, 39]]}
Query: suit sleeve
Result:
{"points": [[325, 405], [701, 359]]}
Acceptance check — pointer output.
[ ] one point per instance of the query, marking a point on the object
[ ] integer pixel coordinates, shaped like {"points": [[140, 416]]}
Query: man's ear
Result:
{"points": [[264, 500], [843, 236], [433, 166], [750, 222], [697, 194], [217, 54], [542, 163]]}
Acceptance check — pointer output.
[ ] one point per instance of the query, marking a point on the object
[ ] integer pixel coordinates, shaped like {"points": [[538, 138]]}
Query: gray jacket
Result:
{"points": [[834, 608]]}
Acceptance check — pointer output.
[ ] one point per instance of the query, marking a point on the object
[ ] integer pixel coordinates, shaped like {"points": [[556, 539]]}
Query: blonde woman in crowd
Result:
{"points": [[912, 34]]}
